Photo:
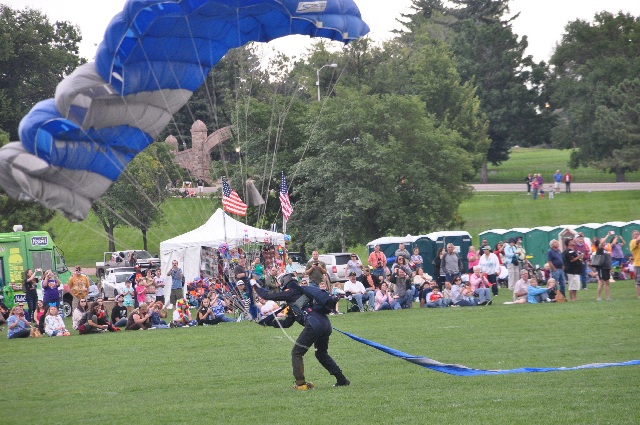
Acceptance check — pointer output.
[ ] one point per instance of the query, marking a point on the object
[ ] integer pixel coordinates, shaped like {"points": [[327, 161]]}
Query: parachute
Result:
{"points": [[154, 55]]}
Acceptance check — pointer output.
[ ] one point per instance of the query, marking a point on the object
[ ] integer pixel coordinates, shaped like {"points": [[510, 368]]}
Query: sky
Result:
{"points": [[543, 21]]}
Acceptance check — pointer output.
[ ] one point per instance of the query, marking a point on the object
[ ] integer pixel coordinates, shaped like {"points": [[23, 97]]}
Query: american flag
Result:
{"points": [[231, 202], [287, 209]]}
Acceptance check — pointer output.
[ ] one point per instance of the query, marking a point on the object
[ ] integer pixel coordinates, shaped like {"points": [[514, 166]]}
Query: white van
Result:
{"points": [[336, 265]]}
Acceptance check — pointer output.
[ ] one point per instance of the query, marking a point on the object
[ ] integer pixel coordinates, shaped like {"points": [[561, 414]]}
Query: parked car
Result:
{"points": [[299, 262], [119, 259], [336, 265], [114, 281]]}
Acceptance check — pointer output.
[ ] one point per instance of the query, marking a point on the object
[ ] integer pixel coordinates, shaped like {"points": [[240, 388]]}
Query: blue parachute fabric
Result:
{"points": [[460, 370], [154, 45], [155, 53]]}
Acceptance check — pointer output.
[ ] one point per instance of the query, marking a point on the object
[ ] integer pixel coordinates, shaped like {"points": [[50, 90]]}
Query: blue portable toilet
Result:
{"points": [[389, 244]]}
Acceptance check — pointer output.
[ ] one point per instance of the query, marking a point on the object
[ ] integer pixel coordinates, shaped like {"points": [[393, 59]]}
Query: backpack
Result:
{"points": [[319, 300]]}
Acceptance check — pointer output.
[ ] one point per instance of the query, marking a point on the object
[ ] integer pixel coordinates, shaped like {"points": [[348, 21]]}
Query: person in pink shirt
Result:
{"points": [[480, 286], [473, 258]]}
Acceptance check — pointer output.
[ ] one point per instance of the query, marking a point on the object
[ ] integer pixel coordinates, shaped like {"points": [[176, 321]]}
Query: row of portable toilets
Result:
{"points": [[535, 240]]}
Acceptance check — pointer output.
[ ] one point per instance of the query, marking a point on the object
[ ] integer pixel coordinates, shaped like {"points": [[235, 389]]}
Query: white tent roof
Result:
{"points": [[220, 228]]}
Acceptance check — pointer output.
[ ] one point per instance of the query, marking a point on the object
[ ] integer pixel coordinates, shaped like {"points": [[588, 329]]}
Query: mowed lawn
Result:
{"points": [[546, 161], [240, 373]]}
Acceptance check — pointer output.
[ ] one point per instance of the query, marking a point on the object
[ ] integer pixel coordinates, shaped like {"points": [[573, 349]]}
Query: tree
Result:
{"points": [[491, 57], [34, 57], [593, 91]]}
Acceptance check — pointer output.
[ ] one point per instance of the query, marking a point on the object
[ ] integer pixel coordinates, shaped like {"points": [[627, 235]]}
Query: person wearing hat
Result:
{"points": [[119, 312], [490, 265], [78, 285], [355, 290], [513, 262], [317, 327]]}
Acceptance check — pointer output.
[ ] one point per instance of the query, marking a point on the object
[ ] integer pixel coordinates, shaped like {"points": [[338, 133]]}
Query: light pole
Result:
{"points": [[330, 65]]}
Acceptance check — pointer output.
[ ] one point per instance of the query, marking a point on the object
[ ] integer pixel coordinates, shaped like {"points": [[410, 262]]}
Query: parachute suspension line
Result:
{"points": [[315, 125]]}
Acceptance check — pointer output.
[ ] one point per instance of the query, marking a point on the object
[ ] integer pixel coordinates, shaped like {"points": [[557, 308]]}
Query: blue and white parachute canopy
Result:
{"points": [[154, 55]]}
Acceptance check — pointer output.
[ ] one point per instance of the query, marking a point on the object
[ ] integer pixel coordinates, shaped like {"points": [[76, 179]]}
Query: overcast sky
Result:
{"points": [[542, 21]]}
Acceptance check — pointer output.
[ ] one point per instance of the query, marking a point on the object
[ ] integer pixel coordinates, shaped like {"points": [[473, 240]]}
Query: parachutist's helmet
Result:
{"points": [[285, 279]]}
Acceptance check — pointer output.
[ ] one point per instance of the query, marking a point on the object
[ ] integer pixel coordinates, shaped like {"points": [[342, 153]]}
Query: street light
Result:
{"points": [[330, 65]]}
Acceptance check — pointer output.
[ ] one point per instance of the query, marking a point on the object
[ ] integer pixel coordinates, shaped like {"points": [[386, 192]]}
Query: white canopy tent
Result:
{"points": [[220, 228]]}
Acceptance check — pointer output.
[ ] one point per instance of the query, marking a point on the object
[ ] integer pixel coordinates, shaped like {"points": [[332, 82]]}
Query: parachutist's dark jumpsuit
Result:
{"points": [[317, 329]]}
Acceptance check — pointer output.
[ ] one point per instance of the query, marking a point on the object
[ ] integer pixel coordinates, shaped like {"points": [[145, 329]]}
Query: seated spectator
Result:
{"points": [[536, 294], [354, 290], [39, 315], [4, 314], [446, 293], [79, 312], [103, 317], [182, 314], [119, 313], [480, 286], [592, 275], [435, 298], [218, 304], [384, 300], [401, 263], [54, 326], [423, 293], [139, 319], [460, 296], [521, 287], [419, 277], [158, 312], [18, 325], [89, 322], [205, 313], [402, 289], [369, 281], [468, 294]]}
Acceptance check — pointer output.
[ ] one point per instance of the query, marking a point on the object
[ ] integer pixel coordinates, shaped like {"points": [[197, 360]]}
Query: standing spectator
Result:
{"points": [[634, 247], [177, 282], [451, 263], [159, 282], [354, 265], [473, 258], [132, 260], [54, 326], [585, 249], [528, 180], [616, 249], [490, 265], [438, 270], [18, 325], [289, 268], [149, 283], [556, 264], [240, 270], [315, 269], [50, 285], [557, 179], [415, 262], [271, 279], [512, 261], [78, 286], [535, 186], [520, 251], [567, 182], [30, 289], [402, 251], [604, 270], [573, 267], [378, 261], [200, 184]]}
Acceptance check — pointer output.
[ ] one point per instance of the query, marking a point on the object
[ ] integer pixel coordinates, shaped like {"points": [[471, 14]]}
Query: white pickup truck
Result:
{"points": [[121, 259]]}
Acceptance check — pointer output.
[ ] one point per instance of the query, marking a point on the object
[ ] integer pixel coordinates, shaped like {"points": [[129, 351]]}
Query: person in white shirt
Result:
{"points": [[354, 289], [490, 265]]}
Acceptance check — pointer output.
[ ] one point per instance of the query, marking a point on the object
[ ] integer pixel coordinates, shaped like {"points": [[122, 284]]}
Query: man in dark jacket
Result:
{"points": [[317, 328]]}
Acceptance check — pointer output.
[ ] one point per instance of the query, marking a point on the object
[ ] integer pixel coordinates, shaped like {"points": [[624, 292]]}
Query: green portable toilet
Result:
{"points": [[516, 232], [492, 236], [536, 243], [612, 226], [389, 244], [428, 249], [625, 231], [460, 239], [589, 229]]}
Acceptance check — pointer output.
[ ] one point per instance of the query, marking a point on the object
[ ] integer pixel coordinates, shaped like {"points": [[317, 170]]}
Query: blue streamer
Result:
{"points": [[460, 370]]}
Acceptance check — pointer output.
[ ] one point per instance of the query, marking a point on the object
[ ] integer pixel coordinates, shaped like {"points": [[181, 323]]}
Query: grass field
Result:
{"points": [[240, 373], [546, 161], [493, 210]]}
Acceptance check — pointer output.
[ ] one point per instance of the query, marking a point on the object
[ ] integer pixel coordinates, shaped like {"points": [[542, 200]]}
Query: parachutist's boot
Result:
{"points": [[341, 380]]}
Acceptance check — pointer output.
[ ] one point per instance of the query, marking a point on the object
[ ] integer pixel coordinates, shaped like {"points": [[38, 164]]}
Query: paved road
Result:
{"points": [[575, 187]]}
